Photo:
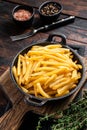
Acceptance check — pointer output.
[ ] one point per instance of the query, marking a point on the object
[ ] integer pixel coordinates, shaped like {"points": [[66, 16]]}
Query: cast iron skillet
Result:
{"points": [[50, 40]]}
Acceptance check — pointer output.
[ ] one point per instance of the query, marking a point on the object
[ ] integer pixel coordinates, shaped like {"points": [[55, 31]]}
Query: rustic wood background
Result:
{"points": [[76, 34]]}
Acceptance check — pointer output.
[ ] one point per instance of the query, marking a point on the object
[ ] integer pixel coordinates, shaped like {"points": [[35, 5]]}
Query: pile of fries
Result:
{"points": [[47, 71]]}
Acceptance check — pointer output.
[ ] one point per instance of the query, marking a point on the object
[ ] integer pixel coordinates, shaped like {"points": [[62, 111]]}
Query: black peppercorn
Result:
{"points": [[49, 9]]}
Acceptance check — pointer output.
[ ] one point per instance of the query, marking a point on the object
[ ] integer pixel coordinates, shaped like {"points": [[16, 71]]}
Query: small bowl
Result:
{"points": [[49, 11], [23, 15]]}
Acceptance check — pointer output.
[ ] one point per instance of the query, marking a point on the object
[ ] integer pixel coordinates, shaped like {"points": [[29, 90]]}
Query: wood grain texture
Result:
{"points": [[75, 7], [12, 119], [76, 34]]}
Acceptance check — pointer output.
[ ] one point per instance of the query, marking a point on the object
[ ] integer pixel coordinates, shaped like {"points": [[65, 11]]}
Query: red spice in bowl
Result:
{"points": [[22, 15]]}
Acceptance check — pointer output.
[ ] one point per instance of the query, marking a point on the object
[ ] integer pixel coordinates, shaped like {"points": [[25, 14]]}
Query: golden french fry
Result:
{"points": [[37, 65], [31, 92], [24, 89], [50, 80], [54, 46], [47, 71], [35, 90], [41, 91], [57, 81], [62, 93], [24, 69], [65, 88], [14, 70], [20, 81], [28, 72], [19, 66], [64, 83]]}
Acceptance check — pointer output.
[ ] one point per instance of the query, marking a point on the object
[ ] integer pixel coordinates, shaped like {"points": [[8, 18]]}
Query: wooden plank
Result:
{"points": [[11, 119], [75, 7], [76, 34]]}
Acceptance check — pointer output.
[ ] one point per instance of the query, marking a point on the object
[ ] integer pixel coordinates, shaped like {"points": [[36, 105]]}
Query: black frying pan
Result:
{"points": [[50, 40]]}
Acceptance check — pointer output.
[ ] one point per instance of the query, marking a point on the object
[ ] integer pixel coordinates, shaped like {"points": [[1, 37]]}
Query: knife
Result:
{"points": [[44, 28]]}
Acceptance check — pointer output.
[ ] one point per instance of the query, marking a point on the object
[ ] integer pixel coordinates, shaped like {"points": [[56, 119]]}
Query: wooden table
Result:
{"points": [[76, 34]]}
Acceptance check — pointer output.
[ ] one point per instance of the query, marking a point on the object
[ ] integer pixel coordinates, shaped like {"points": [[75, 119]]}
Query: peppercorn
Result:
{"points": [[49, 9]]}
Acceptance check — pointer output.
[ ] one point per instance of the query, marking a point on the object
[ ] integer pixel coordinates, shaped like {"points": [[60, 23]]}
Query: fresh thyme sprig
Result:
{"points": [[74, 118], [46, 118]]}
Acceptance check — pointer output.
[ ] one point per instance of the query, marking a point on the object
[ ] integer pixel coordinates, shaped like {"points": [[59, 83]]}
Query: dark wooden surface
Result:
{"points": [[71, 7], [76, 34], [11, 119]]}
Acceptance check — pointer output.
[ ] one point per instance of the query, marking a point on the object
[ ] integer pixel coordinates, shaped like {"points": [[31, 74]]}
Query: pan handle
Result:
{"points": [[34, 101], [60, 35]]}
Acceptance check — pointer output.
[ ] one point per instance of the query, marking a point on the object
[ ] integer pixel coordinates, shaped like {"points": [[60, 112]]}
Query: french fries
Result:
{"points": [[47, 71]]}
